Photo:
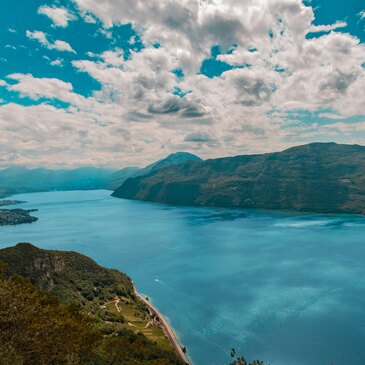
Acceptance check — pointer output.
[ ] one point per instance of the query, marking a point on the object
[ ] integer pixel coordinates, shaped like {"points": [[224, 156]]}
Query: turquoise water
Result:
{"points": [[288, 288]]}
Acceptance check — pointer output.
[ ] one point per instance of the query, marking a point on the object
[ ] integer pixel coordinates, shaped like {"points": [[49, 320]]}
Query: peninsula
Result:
{"points": [[16, 216]]}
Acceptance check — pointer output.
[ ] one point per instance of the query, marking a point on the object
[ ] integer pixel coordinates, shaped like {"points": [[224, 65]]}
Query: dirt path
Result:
{"points": [[116, 302]]}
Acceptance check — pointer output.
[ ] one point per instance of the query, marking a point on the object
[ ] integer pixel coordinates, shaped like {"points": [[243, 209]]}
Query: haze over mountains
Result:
{"points": [[318, 177], [21, 179]]}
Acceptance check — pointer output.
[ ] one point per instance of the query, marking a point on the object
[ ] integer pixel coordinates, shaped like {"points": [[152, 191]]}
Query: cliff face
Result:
{"points": [[70, 275], [319, 177]]}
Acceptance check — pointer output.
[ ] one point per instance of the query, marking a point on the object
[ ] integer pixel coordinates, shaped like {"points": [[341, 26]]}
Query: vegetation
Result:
{"points": [[119, 177], [242, 360], [62, 308], [319, 177]]}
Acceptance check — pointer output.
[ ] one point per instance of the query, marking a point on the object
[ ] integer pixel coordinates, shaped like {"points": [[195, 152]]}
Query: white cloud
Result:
{"points": [[58, 62], [287, 71], [36, 88], [106, 33], [327, 28], [136, 114], [59, 16], [41, 37]]}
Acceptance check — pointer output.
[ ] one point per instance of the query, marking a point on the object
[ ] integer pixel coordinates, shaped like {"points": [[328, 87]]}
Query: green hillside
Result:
{"points": [[63, 308], [319, 177]]}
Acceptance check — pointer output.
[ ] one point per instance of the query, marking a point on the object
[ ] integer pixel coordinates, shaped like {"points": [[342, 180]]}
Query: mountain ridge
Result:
{"points": [[317, 177]]}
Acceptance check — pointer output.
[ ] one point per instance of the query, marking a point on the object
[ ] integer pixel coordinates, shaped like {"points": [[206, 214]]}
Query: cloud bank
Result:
{"points": [[156, 100]]}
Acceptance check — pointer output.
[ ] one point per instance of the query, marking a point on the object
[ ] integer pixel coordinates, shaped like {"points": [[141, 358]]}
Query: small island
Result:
{"points": [[16, 216]]}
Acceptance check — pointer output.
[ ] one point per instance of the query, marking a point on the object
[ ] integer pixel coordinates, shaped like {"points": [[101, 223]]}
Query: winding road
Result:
{"points": [[167, 329]]}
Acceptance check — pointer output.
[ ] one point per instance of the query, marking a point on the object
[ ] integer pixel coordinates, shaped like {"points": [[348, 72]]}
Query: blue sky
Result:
{"points": [[122, 82]]}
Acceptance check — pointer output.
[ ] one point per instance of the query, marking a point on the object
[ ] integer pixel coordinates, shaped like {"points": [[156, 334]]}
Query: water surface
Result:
{"points": [[288, 288]]}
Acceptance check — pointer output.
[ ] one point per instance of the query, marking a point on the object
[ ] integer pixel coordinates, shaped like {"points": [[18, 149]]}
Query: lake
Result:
{"points": [[285, 287]]}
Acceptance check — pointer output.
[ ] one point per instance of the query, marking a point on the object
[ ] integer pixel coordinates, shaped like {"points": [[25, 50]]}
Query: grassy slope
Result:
{"points": [[320, 177]]}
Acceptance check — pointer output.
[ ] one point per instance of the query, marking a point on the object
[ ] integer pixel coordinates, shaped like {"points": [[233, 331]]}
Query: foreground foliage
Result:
{"points": [[54, 323]]}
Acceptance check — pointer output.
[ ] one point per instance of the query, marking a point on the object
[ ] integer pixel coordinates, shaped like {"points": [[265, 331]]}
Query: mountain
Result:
{"points": [[118, 177], [318, 177], [170, 160], [71, 276], [63, 308], [16, 180], [21, 179]]}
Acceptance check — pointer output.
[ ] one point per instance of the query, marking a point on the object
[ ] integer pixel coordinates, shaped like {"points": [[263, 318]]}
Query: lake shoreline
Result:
{"points": [[169, 332]]}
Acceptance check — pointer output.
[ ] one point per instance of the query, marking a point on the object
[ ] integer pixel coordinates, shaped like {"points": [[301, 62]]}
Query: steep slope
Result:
{"points": [[118, 177], [71, 276], [171, 160], [91, 316], [319, 177]]}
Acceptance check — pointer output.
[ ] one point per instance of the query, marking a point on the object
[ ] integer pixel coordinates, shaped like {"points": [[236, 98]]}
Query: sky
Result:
{"points": [[125, 82]]}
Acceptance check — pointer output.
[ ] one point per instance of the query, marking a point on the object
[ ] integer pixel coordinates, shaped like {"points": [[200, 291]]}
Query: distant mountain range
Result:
{"points": [[318, 177], [21, 179], [15, 180]]}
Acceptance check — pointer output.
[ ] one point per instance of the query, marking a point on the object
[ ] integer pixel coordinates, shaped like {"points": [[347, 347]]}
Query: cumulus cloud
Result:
{"points": [[36, 88], [144, 109], [42, 38], [60, 16], [58, 62], [198, 137]]}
